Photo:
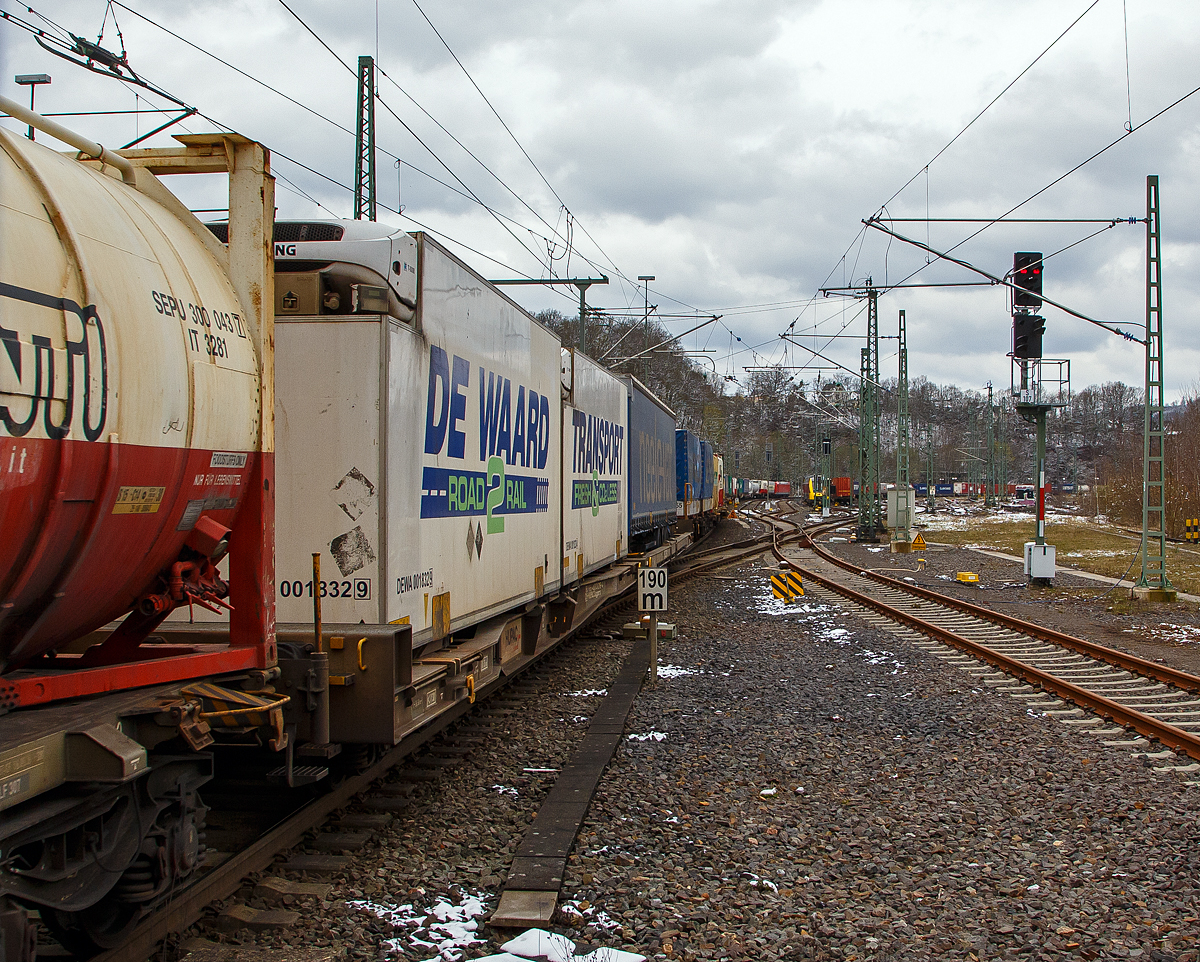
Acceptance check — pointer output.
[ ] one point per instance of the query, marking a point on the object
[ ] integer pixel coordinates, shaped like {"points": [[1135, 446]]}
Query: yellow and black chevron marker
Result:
{"points": [[1191, 529], [787, 585]]}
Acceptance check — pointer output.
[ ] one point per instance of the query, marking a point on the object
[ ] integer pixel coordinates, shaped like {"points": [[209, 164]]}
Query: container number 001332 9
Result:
{"points": [[359, 589]]}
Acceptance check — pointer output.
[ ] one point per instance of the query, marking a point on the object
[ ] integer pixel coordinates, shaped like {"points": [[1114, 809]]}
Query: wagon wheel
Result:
{"points": [[104, 925]]}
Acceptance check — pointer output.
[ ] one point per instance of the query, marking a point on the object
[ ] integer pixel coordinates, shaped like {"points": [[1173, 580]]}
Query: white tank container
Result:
{"points": [[128, 393], [418, 459], [594, 431]]}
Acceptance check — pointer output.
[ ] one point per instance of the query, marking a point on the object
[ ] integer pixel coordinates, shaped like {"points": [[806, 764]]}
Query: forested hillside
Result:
{"points": [[766, 425]]}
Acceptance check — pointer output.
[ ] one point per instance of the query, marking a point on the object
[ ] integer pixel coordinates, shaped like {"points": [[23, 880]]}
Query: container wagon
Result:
{"points": [[595, 426], [651, 470], [708, 460], [434, 503], [689, 475]]}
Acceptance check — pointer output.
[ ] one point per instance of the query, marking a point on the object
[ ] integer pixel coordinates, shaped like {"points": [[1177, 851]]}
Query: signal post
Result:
{"points": [[1038, 384]]}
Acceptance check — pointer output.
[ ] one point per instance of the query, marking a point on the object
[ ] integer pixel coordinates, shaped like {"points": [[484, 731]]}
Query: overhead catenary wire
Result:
{"points": [[608, 260], [466, 191], [860, 236], [412, 133], [1083, 163], [419, 140], [316, 113], [507, 129], [1012, 83], [335, 124]]}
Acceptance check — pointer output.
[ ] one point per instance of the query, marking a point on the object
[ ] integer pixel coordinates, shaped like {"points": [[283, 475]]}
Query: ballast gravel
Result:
{"points": [[826, 790], [796, 785]]}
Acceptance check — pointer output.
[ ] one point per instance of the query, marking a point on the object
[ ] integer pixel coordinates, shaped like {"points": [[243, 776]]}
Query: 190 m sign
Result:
{"points": [[652, 589]]}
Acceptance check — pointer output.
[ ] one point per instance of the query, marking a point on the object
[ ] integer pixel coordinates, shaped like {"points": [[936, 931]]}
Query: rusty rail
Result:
{"points": [[1111, 656]]}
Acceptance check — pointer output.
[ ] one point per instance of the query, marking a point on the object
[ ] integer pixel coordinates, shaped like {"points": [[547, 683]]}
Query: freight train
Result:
{"points": [[743, 488], [296, 535]]}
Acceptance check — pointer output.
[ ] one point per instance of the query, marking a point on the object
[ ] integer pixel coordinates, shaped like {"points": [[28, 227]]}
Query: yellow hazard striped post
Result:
{"points": [[787, 585], [1191, 529]]}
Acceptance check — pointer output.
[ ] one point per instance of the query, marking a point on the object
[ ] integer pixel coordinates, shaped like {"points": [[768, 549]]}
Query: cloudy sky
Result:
{"points": [[730, 149]]}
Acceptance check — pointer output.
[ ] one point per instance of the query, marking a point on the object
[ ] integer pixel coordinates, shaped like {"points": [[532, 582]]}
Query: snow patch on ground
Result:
{"points": [[1179, 634], [445, 930], [677, 671], [648, 737]]}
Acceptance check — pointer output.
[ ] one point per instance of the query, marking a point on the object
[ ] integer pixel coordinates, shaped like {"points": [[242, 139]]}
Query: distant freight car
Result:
{"points": [[707, 473], [782, 489], [689, 474], [651, 445]]}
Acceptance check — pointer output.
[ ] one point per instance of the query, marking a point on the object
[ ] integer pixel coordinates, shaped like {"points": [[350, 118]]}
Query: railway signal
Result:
{"points": [[1027, 275], [1027, 335]]}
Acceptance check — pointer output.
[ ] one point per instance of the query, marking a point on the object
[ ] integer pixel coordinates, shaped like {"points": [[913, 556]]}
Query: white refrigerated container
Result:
{"points": [[418, 457]]}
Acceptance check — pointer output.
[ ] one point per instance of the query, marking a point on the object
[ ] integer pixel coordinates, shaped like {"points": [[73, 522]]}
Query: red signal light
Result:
{"points": [[1027, 275]]}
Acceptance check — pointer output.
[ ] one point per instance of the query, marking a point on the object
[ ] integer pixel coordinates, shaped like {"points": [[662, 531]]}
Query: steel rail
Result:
{"points": [[186, 907], [1106, 708], [226, 878], [1111, 656]]}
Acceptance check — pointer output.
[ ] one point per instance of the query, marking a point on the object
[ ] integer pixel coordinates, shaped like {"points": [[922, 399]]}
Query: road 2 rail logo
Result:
{"points": [[513, 431]]}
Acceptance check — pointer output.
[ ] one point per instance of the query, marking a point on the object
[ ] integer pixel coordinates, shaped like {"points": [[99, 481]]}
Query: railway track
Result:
{"points": [[266, 837], [1159, 703]]}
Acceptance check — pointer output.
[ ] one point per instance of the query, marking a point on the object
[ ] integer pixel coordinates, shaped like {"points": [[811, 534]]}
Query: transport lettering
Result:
{"points": [[452, 493], [597, 445], [514, 426], [414, 581], [520, 434], [657, 475]]}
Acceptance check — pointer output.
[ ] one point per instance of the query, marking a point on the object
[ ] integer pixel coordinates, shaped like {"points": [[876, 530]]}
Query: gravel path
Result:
{"points": [[423, 886]]}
